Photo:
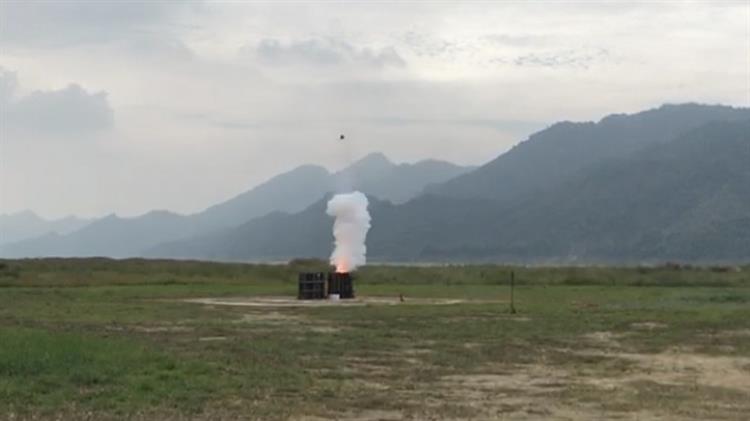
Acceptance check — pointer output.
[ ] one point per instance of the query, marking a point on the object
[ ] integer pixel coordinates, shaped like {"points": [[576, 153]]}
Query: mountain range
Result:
{"points": [[24, 225], [657, 198], [289, 192], [551, 155], [670, 183]]}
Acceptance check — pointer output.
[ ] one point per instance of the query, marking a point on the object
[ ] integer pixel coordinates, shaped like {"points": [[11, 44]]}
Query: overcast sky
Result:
{"points": [[130, 106]]}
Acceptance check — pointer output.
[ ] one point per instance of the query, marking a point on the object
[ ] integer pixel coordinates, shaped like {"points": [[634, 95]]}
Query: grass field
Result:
{"points": [[103, 339]]}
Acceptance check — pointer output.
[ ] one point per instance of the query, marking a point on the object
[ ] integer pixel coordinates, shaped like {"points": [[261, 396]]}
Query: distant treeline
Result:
{"points": [[72, 272]]}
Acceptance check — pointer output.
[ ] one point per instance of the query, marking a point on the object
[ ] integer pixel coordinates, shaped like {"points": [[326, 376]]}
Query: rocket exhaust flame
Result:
{"points": [[352, 221]]}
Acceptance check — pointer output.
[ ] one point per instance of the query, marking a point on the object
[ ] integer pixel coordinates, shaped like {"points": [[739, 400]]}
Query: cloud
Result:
{"points": [[424, 45], [63, 24], [150, 46], [497, 124], [325, 52], [8, 86], [577, 58], [436, 93], [514, 40], [70, 110]]}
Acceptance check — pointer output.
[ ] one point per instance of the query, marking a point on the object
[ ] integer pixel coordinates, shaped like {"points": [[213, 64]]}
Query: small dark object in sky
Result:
{"points": [[341, 137]]}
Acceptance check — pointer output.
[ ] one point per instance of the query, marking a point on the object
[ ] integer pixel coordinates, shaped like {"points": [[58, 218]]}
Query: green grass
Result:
{"points": [[114, 339], [47, 370], [102, 271]]}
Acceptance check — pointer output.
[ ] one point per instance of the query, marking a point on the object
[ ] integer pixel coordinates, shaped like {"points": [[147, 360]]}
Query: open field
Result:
{"points": [[135, 339]]}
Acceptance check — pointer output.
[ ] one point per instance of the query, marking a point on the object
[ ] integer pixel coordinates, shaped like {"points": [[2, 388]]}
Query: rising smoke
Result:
{"points": [[349, 230]]}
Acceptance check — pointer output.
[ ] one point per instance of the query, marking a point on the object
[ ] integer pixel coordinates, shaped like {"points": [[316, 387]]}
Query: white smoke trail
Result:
{"points": [[349, 230]]}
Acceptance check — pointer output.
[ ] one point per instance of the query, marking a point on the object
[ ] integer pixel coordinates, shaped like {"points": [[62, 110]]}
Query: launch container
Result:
{"points": [[340, 283], [312, 286], [318, 285]]}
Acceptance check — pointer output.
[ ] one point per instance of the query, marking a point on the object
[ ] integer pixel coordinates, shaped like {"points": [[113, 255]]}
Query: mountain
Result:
{"points": [[667, 183], [371, 168], [111, 236], [684, 199], [565, 148], [289, 192], [399, 232], [23, 225], [688, 199], [406, 181], [275, 236]]}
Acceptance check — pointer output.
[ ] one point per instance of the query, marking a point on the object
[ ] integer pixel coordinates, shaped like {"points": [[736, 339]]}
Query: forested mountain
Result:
{"points": [[667, 183], [686, 199], [564, 148]]}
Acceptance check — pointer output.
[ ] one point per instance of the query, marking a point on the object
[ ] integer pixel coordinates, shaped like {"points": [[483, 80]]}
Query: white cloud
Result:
{"points": [[36, 24], [8, 86], [213, 98], [60, 113], [325, 52], [579, 58]]}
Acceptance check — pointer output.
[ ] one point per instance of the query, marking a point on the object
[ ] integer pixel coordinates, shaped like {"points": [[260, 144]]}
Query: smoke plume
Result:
{"points": [[349, 230]]}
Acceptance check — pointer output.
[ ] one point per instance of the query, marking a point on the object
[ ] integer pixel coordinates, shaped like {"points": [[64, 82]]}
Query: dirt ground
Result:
{"points": [[285, 301], [544, 389]]}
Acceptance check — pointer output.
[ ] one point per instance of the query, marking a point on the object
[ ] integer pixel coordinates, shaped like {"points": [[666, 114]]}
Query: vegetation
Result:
{"points": [[665, 184], [106, 339], [684, 199], [65, 272]]}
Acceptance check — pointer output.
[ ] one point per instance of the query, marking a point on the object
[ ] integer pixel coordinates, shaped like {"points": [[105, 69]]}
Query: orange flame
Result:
{"points": [[342, 267], [342, 264]]}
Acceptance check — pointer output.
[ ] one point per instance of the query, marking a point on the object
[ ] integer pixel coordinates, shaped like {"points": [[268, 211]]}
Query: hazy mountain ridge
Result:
{"points": [[686, 198], [24, 225], [290, 192], [651, 185], [280, 236], [670, 201], [555, 153], [111, 236], [405, 181]]}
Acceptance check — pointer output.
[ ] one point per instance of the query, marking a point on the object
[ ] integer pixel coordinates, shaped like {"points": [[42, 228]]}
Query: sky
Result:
{"points": [[124, 107]]}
